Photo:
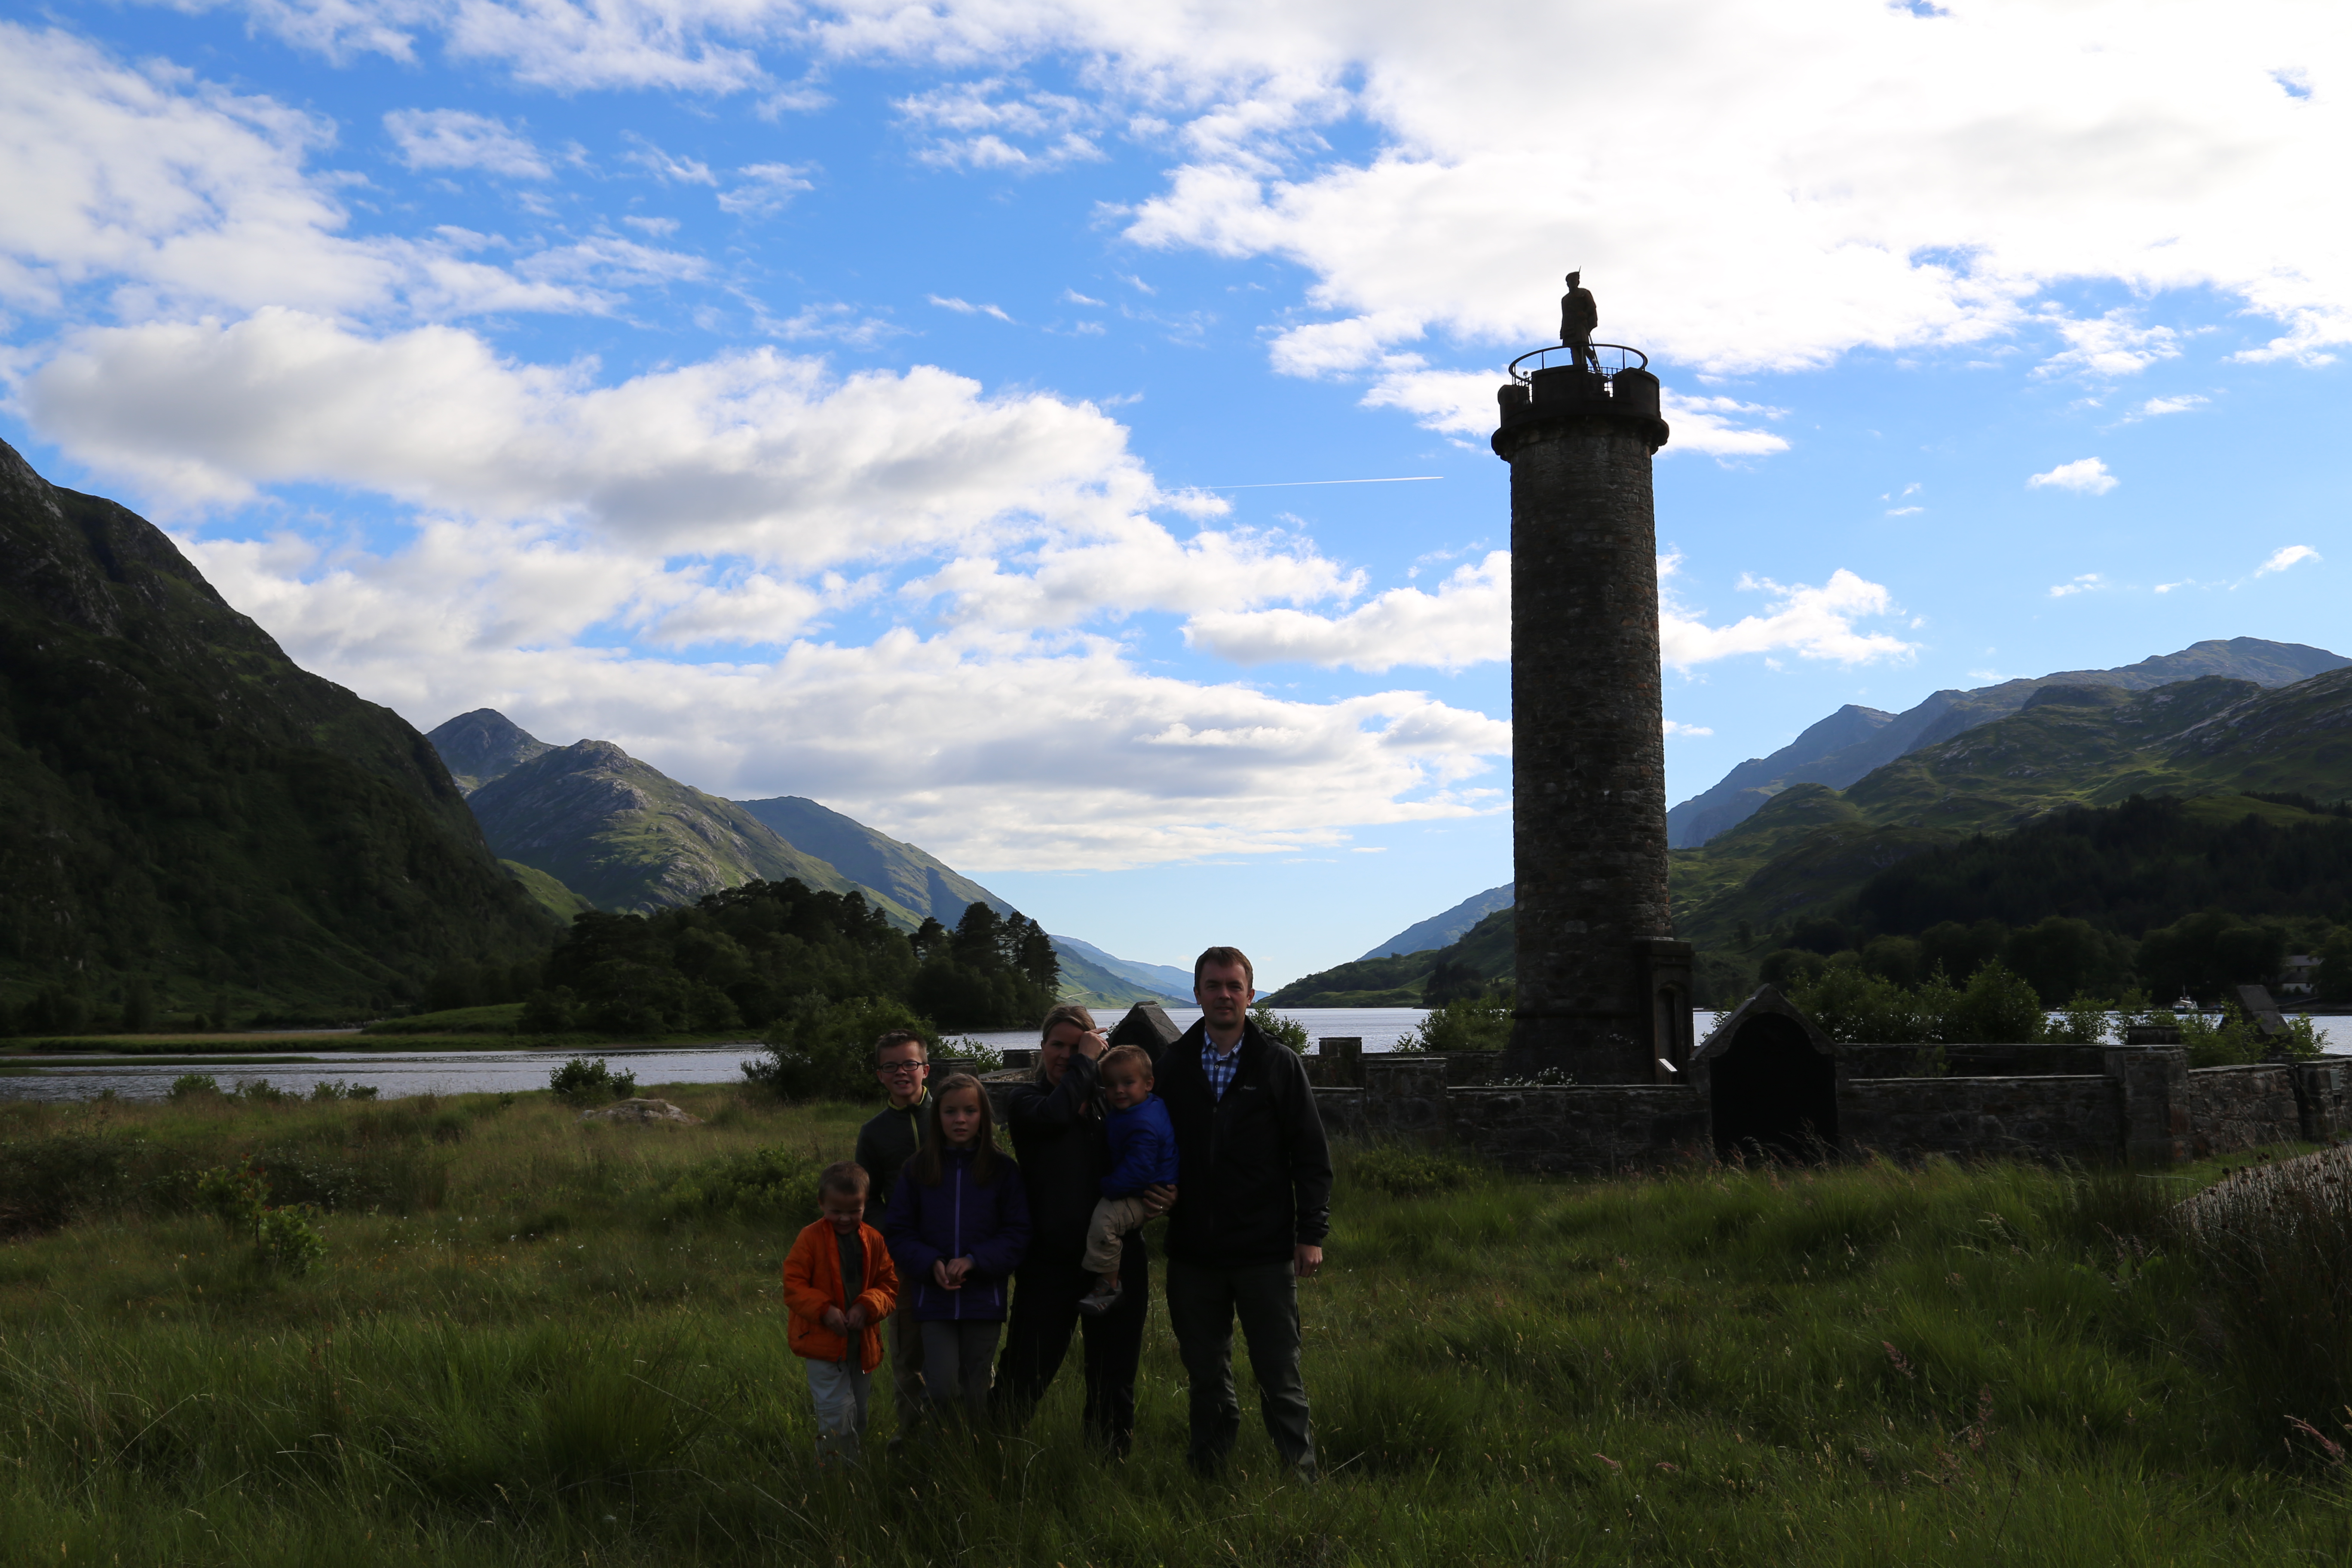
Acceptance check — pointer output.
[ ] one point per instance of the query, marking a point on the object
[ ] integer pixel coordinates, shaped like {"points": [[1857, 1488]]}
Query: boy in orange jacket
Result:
{"points": [[839, 1284]]}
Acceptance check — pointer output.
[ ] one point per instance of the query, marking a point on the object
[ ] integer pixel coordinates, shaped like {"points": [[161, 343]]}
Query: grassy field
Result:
{"points": [[533, 1341]]}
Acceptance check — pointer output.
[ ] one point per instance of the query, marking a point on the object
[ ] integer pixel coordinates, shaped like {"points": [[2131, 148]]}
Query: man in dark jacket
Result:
{"points": [[1056, 1123], [1254, 1175], [885, 1144]]}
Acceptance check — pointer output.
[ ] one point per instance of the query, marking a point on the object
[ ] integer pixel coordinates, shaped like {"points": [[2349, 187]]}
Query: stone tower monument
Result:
{"points": [[1603, 989]]}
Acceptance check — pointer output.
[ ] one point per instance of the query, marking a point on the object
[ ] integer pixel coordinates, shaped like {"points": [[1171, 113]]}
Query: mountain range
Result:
{"points": [[189, 820], [1850, 743], [1956, 770], [590, 825]]}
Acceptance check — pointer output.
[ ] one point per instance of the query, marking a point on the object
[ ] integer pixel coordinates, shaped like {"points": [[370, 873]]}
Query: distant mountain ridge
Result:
{"points": [[1439, 929], [1159, 979], [623, 835], [2067, 745], [588, 825], [1841, 748]]}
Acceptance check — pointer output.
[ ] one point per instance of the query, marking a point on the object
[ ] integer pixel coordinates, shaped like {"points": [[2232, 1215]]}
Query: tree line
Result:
{"points": [[2148, 897]]}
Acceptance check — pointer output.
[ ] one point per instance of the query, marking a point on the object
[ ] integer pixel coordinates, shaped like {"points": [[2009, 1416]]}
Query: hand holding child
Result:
{"points": [[833, 1319], [856, 1320]]}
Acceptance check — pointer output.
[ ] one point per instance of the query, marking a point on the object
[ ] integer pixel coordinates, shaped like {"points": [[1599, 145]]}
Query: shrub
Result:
{"points": [[1465, 1024], [337, 1089], [258, 1091], [824, 1050], [2234, 1037], [188, 1085], [1289, 1031], [580, 1081], [282, 1238], [765, 1183]]}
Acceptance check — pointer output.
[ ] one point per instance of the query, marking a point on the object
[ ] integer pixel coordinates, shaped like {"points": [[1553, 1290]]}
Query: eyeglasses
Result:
{"points": [[896, 1067]]}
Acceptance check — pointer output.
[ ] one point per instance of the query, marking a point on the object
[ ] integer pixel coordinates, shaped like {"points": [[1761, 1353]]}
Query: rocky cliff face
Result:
{"points": [[182, 804]]}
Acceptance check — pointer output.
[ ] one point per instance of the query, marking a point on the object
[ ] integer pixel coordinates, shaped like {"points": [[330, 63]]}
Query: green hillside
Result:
{"points": [[1812, 846], [551, 895], [1485, 948], [188, 820], [625, 837], [909, 876]]}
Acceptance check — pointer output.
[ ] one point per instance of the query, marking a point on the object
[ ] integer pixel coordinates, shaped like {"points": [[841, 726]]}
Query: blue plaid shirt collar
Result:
{"points": [[1220, 1070]]}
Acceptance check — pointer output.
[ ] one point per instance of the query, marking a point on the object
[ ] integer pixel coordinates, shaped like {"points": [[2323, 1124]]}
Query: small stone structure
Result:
{"points": [[1769, 1082]]}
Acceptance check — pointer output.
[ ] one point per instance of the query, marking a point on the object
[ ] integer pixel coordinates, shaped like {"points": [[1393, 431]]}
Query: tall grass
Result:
{"points": [[569, 1348]]}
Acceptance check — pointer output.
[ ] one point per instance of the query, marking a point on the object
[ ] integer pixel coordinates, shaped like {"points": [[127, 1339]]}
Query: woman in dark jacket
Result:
{"points": [[957, 1225]]}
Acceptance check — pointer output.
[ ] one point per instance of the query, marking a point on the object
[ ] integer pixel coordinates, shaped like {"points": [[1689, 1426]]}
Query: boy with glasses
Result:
{"points": [[885, 1144]]}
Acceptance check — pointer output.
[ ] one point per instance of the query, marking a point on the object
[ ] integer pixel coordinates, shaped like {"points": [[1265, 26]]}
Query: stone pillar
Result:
{"points": [[1340, 1060], [2319, 1092], [2151, 1083], [1588, 749]]}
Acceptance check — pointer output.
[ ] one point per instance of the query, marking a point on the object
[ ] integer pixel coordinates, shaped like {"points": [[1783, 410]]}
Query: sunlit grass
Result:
{"points": [[519, 1357]]}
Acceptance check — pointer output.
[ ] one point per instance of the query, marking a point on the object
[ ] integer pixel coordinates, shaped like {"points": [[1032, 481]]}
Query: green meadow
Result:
{"points": [[531, 1340]]}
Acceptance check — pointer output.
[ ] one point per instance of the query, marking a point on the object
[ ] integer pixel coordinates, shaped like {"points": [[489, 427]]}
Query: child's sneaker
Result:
{"points": [[1100, 1299]]}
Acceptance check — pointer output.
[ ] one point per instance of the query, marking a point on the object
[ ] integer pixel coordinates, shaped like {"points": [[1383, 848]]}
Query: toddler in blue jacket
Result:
{"points": [[1142, 1154]]}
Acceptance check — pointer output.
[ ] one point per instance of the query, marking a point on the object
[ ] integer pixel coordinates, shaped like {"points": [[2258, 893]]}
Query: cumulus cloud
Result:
{"points": [[995, 749], [454, 139], [1812, 623], [756, 453], [2280, 560], [2084, 475], [1467, 621], [2088, 583], [2114, 344], [1673, 728], [2157, 407]]}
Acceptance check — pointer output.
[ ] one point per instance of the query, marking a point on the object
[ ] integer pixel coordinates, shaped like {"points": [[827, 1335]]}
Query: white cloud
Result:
{"points": [[1813, 623], [1905, 510], [997, 124], [1674, 728], [994, 750], [173, 194], [1467, 621], [2084, 475], [966, 308], [2110, 345], [454, 139], [2182, 403], [756, 453], [1462, 401], [2088, 583], [765, 188], [668, 167], [2280, 560]]}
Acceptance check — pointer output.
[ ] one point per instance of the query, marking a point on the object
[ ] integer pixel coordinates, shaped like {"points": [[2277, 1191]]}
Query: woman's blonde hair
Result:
{"points": [[1067, 1013]]}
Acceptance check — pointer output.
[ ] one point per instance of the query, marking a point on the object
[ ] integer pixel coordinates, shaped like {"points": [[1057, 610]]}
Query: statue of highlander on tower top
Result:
{"points": [[1577, 316], [1604, 986]]}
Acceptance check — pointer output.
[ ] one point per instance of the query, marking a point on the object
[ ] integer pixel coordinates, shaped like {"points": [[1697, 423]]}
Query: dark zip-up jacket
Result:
{"points": [[959, 1219], [1057, 1135], [1256, 1179], [884, 1144]]}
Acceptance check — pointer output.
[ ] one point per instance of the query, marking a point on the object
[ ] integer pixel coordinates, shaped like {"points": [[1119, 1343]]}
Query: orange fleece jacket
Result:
{"points": [[813, 1283]]}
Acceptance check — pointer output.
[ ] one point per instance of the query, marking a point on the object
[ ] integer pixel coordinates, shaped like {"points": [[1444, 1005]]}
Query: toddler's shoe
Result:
{"points": [[1100, 1299]]}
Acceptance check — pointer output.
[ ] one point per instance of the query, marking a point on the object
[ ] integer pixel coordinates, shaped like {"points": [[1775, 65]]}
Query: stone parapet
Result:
{"points": [[2041, 1117], [2234, 1108]]}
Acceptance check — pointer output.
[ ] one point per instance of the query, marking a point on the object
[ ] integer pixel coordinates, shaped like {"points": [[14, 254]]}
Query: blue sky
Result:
{"points": [[852, 400]]}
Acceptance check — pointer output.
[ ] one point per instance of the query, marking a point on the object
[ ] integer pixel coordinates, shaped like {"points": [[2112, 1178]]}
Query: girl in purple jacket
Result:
{"points": [[957, 1223]]}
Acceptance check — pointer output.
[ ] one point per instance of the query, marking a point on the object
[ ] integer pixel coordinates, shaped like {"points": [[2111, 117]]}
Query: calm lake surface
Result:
{"points": [[396, 1073]]}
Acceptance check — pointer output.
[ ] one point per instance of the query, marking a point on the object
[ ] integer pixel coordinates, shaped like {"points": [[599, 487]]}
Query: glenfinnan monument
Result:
{"points": [[1603, 988]]}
